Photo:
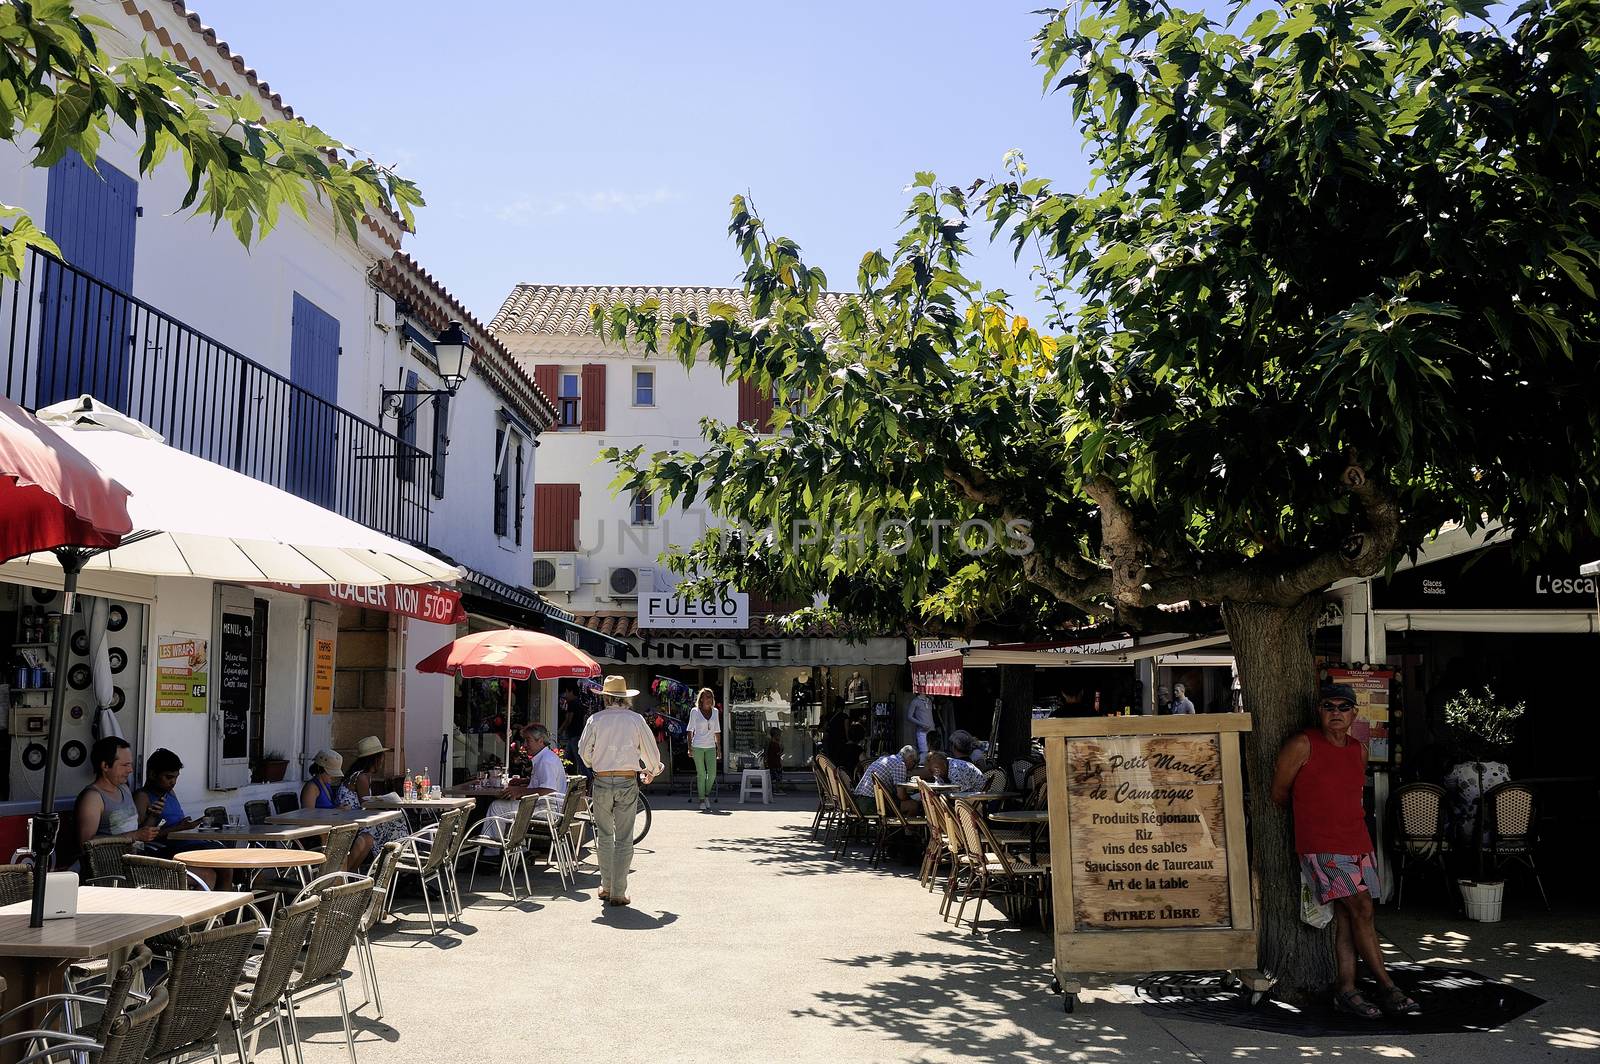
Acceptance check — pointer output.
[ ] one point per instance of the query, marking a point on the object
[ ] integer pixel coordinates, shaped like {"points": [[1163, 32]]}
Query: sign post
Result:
{"points": [[1148, 858]]}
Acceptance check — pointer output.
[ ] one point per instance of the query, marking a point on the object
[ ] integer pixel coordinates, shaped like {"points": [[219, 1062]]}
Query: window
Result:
{"points": [[644, 387], [644, 509], [508, 481], [570, 414], [501, 485]]}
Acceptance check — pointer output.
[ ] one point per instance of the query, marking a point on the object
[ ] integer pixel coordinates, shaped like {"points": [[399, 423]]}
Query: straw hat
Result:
{"points": [[370, 745], [331, 763], [617, 687]]}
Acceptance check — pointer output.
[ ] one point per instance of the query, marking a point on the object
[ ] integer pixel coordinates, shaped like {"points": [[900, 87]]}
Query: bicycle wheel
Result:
{"points": [[641, 819]]}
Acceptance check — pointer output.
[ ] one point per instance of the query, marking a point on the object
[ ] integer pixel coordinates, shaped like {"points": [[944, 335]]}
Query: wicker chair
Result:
{"points": [[991, 866], [1419, 834], [123, 1036], [260, 999], [507, 836], [257, 811], [102, 861], [16, 883], [557, 831], [426, 855], [112, 999], [333, 935], [285, 802], [205, 969], [938, 849], [994, 781], [1513, 816], [827, 803], [335, 851], [852, 821], [383, 872], [216, 815], [891, 821]]}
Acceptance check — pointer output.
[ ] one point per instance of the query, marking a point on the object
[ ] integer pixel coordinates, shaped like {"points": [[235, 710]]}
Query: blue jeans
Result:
{"points": [[614, 800]]}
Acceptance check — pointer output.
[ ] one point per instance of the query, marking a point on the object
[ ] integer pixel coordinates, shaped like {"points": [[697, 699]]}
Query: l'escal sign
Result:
{"points": [[663, 609]]}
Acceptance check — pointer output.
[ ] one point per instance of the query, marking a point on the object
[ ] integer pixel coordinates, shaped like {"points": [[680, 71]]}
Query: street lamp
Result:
{"points": [[452, 353]]}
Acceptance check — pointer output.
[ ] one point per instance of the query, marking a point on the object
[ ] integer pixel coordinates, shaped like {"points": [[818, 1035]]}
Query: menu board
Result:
{"points": [[233, 682], [746, 732], [181, 674], [1148, 838], [1372, 708], [322, 677]]}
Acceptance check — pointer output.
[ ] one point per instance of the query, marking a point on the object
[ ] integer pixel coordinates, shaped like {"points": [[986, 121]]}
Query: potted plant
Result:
{"points": [[1481, 730], [269, 768]]}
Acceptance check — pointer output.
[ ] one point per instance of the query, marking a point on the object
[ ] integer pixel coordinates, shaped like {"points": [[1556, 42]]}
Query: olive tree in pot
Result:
{"points": [[1481, 730]]}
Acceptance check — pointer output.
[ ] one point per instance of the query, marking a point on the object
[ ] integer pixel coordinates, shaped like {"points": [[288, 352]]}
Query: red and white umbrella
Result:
{"points": [[510, 654], [50, 494]]}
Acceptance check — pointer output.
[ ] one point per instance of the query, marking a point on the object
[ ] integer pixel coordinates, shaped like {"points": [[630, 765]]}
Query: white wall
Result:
{"points": [[606, 537], [429, 698]]}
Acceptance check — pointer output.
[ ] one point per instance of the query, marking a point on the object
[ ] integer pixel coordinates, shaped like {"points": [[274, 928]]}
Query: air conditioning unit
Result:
{"points": [[627, 581], [555, 572]]}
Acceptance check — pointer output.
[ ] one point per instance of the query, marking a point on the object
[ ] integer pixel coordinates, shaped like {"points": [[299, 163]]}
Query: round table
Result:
{"points": [[985, 796], [1032, 819], [253, 858]]}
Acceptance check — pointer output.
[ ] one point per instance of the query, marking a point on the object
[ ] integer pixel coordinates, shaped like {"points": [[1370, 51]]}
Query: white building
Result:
{"points": [[596, 551], [273, 360]]}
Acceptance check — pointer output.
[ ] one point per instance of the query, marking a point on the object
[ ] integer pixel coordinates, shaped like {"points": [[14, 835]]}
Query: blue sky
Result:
{"points": [[600, 143]]}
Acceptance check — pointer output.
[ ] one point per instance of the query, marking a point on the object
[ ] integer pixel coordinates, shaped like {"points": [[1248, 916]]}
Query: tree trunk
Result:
{"points": [[1015, 716], [1272, 647]]}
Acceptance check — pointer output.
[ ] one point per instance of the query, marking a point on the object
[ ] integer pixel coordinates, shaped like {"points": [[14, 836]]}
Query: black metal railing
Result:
{"points": [[72, 334]]}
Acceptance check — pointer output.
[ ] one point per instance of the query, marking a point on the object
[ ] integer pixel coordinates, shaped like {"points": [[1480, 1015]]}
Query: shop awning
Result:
{"points": [[940, 673], [425, 602], [523, 608]]}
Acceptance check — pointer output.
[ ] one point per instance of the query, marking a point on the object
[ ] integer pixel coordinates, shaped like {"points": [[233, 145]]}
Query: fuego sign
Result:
{"points": [[662, 609]]}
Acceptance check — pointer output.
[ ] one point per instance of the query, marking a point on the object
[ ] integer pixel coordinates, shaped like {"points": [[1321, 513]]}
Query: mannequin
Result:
{"points": [[855, 688]]}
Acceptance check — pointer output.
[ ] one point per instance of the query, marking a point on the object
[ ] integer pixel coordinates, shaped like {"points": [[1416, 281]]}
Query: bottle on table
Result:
{"points": [[410, 788]]}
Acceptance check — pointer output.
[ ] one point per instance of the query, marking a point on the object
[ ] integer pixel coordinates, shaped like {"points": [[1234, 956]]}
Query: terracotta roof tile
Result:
{"points": [[563, 309]]}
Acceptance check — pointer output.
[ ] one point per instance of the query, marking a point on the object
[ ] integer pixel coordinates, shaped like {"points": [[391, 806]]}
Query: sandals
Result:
{"points": [[1351, 1002], [605, 894], [619, 901], [1395, 1002]]}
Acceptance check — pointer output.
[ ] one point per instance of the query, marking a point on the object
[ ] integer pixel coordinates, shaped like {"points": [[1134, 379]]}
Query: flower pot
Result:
{"points": [[1483, 900], [270, 771]]}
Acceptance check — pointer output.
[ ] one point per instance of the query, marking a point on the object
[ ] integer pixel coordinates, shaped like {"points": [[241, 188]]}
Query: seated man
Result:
{"points": [[547, 776], [964, 746], [964, 774], [106, 806], [893, 770]]}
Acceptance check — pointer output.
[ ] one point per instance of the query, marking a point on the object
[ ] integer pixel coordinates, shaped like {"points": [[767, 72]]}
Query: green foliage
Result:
{"points": [[58, 88], [1481, 728]]}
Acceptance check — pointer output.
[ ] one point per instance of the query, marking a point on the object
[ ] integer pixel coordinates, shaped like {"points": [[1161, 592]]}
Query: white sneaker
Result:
{"points": [[704, 805]]}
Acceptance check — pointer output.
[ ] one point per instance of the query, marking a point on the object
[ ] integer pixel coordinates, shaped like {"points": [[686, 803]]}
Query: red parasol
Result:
{"points": [[51, 495], [510, 654]]}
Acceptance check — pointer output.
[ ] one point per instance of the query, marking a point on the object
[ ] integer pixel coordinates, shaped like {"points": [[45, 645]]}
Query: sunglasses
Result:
{"points": [[1336, 707]]}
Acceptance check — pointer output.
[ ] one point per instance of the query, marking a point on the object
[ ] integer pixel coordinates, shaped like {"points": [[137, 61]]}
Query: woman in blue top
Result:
{"points": [[322, 784], [158, 804]]}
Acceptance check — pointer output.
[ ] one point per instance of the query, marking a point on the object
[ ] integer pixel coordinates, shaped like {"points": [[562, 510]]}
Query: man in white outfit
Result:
{"points": [[919, 714], [618, 745]]}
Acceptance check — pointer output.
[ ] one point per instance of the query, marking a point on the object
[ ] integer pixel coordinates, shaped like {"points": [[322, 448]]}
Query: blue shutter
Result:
{"points": [[313, 420], [84, 336], [405, 465], [441, 440]]}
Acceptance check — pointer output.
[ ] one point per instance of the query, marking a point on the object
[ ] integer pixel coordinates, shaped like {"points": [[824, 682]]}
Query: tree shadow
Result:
{"points": [[795, 853]]}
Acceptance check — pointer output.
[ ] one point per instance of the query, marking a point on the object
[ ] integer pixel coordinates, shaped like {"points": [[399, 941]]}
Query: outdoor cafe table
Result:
{"points": [[252, 859], [1033, 819], [276, 833], [365, 817], [418, 807], [33, 960]]}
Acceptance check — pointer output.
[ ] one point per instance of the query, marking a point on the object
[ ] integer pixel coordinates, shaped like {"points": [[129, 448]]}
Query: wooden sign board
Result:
{"points": [[1148, 860]]}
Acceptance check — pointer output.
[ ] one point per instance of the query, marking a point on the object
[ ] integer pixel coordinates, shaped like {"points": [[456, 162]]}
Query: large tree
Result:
{"points": [[1331, 287], [60, 92]]}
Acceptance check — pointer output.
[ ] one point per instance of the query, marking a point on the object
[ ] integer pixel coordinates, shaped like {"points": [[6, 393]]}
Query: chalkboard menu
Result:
{"points": [[233, 682], [747, 731]]}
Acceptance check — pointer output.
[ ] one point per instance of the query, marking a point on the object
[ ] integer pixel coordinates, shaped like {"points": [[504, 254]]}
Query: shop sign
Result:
{"points": [[1491, 578], [439, 605], [713, 651], [1371, 687], [181, 674], [942, 676], [1149, 811], [664, 609], [322, 678]]}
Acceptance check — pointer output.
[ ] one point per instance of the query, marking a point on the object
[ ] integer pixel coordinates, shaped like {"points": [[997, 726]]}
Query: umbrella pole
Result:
{"points": [[47, 822], [509, 683]]}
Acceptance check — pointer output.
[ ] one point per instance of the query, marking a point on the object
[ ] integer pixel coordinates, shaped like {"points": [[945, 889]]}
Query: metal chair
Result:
{"points": [[102, 861], [285, 802], [158, 873], [122, 1037], [558, 830], [206, 967], [509, 837], [1512, 811], [261, 999], [257, 810], [344, 899], [1419, 835], [425, 854], [216, 815], [383, 872], [335, 851], [67, 1008]]}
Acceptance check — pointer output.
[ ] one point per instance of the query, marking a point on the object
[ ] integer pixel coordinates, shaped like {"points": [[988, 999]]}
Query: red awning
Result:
{"points": [[425, 602], [938, 674]]}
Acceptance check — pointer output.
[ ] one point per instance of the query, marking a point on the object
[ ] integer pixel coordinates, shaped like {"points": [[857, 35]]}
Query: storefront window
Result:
{"points": [[480, 717], [759, 700]]}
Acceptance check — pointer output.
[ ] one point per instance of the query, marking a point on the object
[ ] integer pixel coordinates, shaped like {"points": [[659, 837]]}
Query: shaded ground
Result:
{"points": [[748, 942]]}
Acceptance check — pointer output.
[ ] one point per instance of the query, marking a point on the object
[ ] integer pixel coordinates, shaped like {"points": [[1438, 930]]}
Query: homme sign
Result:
{"points": [[663, 609]]}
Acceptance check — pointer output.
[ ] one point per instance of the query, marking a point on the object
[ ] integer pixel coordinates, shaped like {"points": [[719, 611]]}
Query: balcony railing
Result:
{"points": [[72, 334]]}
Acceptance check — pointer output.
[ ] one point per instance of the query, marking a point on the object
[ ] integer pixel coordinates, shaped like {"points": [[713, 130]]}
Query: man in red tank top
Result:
{"points": [[1324, 769]]}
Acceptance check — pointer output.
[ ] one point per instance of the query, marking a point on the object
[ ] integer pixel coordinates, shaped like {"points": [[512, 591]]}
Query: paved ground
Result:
{"points": [[748, 943]]}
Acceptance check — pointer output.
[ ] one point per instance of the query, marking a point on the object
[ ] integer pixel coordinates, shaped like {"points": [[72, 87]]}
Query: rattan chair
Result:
{"points": [[122, 1036], [102, 861], [206, 967], [16, 883], [216, 815], [259, 1000], [257, 811], [285, 802], [891, 821], [335, 852], [937, 851], [67, 1009], [426, 854], [507, 836], [994, 781], [344, 900], [827, 804], [991, 867], [1419, 834], [1512, 812], [852, 821]]}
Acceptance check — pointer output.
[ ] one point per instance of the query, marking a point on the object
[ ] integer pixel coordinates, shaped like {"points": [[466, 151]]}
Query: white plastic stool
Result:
{"points": [[752, 780]]}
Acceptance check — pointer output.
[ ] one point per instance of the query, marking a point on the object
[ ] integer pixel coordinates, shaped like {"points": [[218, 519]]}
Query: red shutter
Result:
{"points": [[548, 378], [755, 407], [555, 517], [594, 398]]}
